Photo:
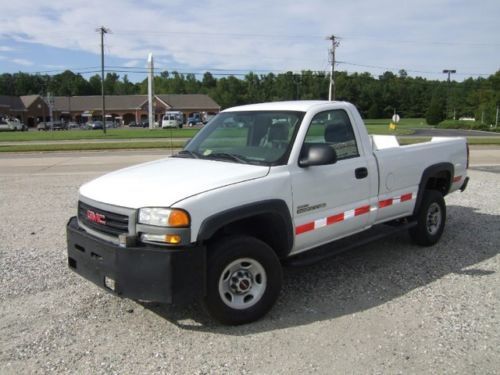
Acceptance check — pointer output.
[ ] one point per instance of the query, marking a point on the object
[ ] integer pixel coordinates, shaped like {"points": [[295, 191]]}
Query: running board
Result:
{"points": [[331, 249]]}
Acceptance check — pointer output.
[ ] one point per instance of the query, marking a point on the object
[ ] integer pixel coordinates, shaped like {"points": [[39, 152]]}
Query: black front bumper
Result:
{"points": [[150, 273]]}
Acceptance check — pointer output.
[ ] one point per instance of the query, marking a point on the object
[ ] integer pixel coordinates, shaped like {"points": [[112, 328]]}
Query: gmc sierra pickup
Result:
{"points": [[261, 185]]}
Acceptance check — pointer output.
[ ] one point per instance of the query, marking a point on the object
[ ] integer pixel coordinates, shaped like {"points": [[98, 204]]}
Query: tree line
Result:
{"points": [[375, 97]]}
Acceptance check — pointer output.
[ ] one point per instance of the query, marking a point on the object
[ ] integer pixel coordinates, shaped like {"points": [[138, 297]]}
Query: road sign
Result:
{"points": [[395, 118]]}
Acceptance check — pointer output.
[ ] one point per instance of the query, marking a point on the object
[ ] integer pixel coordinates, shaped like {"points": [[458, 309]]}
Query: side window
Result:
{"points": [[335, 129]]}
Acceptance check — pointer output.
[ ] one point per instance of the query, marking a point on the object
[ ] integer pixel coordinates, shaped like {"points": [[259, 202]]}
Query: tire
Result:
{"points": [[244, 280], [431, 218]]}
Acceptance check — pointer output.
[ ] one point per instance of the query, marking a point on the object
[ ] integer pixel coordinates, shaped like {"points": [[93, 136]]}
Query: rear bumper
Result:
{"points": [[150, 273]]}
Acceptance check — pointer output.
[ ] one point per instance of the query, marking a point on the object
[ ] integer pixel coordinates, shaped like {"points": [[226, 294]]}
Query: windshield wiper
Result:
{"points": [[187, 153], [226, 155]]}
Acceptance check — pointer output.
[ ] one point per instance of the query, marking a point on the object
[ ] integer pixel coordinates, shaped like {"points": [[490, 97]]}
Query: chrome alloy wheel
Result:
{"points": [[434, 218], [242, 283]]}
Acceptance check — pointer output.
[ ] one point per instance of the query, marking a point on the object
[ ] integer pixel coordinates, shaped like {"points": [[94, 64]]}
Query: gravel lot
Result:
{"points": [[390, 307]]}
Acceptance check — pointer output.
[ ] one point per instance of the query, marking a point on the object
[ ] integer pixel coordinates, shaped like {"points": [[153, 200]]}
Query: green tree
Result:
{"points": [[208, 81], [435, 112], [95, 84]]}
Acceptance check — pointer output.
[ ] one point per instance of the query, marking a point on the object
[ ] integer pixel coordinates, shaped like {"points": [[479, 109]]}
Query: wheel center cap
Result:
{"points": [[241, 282]]}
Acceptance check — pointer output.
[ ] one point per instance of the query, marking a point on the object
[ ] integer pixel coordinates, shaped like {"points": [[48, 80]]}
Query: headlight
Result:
{"points": [[164, 217]]}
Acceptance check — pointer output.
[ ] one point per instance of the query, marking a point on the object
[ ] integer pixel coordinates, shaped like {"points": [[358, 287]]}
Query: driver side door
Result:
{"points": [[331, 201]]}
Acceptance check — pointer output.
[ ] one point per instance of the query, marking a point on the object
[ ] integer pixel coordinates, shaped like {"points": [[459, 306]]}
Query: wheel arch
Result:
{"points": [[435, 177], [269, 220]]}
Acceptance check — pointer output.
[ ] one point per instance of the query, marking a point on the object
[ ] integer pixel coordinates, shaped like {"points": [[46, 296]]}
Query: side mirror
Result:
{"points": [[317, 154]]}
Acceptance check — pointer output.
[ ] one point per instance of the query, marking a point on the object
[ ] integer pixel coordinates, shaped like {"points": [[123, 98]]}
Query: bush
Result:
{"points": [[466, 125], [435, 112]]}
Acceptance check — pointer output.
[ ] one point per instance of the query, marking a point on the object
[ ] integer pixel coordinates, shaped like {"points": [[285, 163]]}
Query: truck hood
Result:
{"points": [[164, 182]]}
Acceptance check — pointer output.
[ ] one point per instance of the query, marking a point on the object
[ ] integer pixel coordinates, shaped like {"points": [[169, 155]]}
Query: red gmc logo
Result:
{"points": [[95, 217]]}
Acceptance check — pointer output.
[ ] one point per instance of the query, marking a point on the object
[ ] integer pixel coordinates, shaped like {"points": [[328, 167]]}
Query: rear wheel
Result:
{"points": [[244, 280], [431, 219]]}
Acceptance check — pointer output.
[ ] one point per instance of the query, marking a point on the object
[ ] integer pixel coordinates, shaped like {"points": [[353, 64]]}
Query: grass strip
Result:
{"points": [[92, 146], [71, 135]]}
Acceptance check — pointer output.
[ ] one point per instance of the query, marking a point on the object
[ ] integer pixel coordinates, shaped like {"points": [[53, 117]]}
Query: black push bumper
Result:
{"points": [[144, 272]]}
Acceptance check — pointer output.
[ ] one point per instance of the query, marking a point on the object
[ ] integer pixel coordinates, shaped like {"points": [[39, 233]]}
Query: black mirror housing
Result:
{"points": [[318, 154]]}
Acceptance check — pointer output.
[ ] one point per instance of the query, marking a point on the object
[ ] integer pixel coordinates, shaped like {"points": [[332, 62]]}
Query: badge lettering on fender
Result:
{"points": [[307, 208]]}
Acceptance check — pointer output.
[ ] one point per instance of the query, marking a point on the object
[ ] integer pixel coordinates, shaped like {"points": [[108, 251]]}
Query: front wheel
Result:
{"points": [[244, 280], [431, 219]]}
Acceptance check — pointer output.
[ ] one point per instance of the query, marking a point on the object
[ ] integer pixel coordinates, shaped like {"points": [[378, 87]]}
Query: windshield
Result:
{"points": [[254, 137]]}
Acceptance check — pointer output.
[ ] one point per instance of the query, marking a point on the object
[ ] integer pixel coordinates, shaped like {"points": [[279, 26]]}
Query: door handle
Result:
{"points": [[361, 173]]}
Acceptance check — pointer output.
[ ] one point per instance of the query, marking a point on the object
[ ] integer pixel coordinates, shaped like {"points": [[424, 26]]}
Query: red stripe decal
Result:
{"points": [[457, 178], [406, 197], [361, 210], [385, 203], [304, 228], [335, 219]]}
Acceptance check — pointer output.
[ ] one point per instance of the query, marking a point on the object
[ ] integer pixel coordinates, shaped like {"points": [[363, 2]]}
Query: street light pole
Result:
{"points": [[103, 31], [449, 72]]}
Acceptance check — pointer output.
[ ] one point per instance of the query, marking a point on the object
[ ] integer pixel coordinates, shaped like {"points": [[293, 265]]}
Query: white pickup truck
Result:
{"points": [[261, 185]]}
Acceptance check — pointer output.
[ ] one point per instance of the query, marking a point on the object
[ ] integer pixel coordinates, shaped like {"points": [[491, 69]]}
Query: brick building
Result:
{"points": [[121, 108]]}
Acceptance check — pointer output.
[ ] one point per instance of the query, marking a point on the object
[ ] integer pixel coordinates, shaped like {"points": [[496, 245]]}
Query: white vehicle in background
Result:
{"points": [[172, 119], [12, 125]]}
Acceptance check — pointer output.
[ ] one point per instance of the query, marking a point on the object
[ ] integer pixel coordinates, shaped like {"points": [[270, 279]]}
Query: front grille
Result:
{"points": [[111, 222]]}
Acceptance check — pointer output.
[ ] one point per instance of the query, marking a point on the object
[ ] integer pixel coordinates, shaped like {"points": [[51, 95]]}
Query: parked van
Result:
{"points": [[172, 119]]}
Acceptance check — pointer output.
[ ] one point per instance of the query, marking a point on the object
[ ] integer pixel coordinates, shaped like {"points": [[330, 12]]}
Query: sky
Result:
{"points": [[235, 37]]}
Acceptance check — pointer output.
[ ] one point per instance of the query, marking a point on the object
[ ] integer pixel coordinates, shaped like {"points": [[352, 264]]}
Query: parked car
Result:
{"points": [[59, 125], [12, 125], [111, 125], [43, 126], [216, 222], [95, 125], [195, 119], [73, 125], [172, 119]]}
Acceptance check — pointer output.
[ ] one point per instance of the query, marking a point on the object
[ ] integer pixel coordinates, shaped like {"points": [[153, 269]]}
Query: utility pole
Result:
{"points": [[335, 44], [151, 107], [50, 100], [103, 31], [449, 72]]}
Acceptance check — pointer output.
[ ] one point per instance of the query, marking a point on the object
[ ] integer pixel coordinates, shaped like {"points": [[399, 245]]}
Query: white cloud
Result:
{"points": [[23, 62], [278, 35], [6, 49], [132, 63]]}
